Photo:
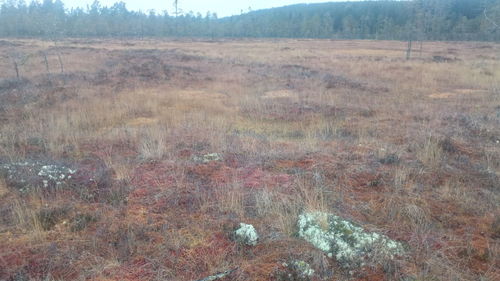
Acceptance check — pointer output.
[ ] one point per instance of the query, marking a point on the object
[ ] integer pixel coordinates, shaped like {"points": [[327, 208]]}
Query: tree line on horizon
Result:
{"points": [[393, 20]]}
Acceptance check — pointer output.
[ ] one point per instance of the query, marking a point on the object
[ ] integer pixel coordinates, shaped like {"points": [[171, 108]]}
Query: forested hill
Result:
{"points": [[418, 19], [426, 19]]}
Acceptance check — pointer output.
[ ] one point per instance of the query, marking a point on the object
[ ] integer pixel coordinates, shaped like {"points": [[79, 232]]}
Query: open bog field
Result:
{"points": [[137, 159]]}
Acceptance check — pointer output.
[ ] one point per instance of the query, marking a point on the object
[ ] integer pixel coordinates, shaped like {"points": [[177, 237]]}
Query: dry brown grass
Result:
{"points": [[430, 153], [405, 147], [3, 188], [25, 217]]}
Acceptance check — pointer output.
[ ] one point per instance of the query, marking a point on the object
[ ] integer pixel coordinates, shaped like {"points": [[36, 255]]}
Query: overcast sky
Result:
{"points": [[221, 7]]}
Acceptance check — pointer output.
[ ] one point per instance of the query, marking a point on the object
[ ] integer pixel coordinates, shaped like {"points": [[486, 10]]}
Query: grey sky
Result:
{"points": [[221, 7]]}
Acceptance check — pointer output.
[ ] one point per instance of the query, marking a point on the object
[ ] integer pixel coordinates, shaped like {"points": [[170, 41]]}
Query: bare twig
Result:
{"points": [[490, 20]]}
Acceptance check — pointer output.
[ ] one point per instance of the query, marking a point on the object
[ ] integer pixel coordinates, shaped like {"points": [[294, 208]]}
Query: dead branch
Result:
{"points": [[490, 20]]}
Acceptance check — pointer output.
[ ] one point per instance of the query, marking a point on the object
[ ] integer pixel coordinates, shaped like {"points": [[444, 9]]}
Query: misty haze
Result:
{"points": [[250, 140]]}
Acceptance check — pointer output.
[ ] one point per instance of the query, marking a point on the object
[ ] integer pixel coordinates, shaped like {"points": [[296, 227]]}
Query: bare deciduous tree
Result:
{"points": [[18, 59], [176, 7], [61, 65]]}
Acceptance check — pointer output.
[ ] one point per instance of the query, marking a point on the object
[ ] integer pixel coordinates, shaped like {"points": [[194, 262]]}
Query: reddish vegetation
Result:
{"points": [[153, 175]]}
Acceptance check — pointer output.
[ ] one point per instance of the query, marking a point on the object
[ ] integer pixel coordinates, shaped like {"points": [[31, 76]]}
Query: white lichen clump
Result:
{"points": [[301, 268], [351, 245], [47, 175], [207, 158], [247, 234], [56, 173]]}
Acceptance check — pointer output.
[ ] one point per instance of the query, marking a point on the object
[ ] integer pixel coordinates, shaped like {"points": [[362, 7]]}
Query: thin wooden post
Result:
{"points": [[17, 69], [408, 50], [46, 63], [60, 62]]}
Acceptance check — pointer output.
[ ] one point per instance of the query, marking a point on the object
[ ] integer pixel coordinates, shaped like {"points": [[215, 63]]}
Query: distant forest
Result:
{"points": [[397, 20]]}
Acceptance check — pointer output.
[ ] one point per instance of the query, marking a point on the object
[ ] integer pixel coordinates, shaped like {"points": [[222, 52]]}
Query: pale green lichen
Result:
{"points": [[300, 268], [31, 173], [207, 158], [246, 234], [351, 245]]}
